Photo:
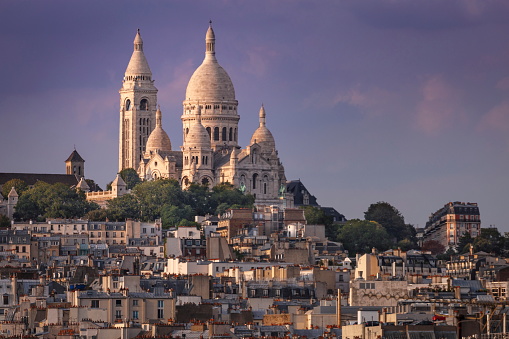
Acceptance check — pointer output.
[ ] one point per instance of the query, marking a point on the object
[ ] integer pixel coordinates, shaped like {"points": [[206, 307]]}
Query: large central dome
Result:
{"points": [[210, 82]]}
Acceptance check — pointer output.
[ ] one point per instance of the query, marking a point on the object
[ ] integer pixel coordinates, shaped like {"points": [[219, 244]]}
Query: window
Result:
{"points": [[128, 105], [216, 133], [6, 300], [94, 304], [118, 302], [224, 133], [255, 178], [135, 302], [118, 314], [144, 105], [160, 309], [135, 314]]}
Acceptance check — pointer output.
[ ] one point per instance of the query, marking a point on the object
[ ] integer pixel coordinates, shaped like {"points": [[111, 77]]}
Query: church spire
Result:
{"points": [[158, 117], [262, 116], [210, 41], [138, 68], [138, 42]]}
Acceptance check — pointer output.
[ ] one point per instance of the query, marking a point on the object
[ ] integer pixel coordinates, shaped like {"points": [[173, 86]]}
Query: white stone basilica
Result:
{"points": [[210, 153]]}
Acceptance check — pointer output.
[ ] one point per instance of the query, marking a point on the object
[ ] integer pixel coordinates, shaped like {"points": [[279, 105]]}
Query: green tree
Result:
{"points": [[5, 222], [464, 243], [391, 219], [153, 195], [19, 185], [52, 201], [130, 177], [490, 240], [93, 186], [360, 236], [172, 215], [225, 195], [124, 207], [316, 216], [97, 215]]}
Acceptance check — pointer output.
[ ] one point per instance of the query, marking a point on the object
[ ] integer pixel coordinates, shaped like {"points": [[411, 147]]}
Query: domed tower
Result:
{"points": [[211, 88], [262, 136], [138, 102], [197, 154], [158, 141]]}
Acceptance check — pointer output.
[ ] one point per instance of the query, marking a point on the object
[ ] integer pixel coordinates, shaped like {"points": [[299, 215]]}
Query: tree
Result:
{"points": [[433, 246], [316, 216], [52, 201], [97, 215], [130, 177], [391, 219], [153, 195], [19, 185], [5, 222], [225, 195], [172, 215], [360, 236], [490, 240], [464, 243], [93, 186], [124, 207]]}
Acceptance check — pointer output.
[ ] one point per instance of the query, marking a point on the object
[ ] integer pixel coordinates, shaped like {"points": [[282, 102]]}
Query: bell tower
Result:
{"points": [[138, 104], [75, 165]]}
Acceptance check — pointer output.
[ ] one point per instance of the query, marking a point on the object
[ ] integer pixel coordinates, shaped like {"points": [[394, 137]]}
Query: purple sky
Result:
{"points": [[384, 100]]}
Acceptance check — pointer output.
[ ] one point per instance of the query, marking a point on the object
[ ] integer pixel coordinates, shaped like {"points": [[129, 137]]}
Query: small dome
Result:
{"points": [[197, 136], [262, 135], [210, 82], [158, 139]]}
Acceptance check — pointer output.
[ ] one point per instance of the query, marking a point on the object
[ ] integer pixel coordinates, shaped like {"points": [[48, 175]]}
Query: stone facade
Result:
{"points": [[210, 153]]}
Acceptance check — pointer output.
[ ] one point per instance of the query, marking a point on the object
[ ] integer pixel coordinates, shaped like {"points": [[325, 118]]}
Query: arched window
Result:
{"points": [[264, 188], [216, 133], [205, 181], [79, 170], [127, 105], [224, 133], [231, 134], [144, 105], [255, 178], [209, 132], [235, 134], [255, 156]]}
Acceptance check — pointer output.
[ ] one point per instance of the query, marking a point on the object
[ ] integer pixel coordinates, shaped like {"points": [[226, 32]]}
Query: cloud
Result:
{"points": [[503, 84], [497, 119], [428, 15], [176, 77], [259, 59], [371, 101], [440, 106]]}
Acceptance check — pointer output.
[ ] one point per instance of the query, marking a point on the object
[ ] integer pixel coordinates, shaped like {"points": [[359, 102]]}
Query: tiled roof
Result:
{"points": [[31, 178]]}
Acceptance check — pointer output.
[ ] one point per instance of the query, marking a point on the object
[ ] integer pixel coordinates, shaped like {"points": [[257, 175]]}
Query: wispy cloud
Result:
{"points": [[259, 59], [440, 105]]}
